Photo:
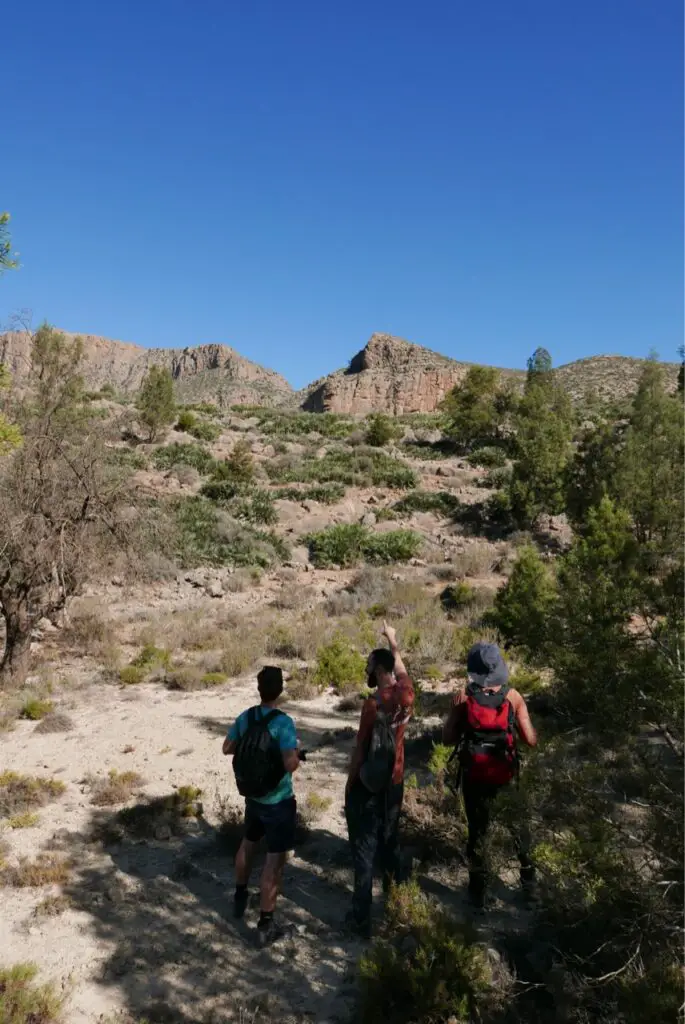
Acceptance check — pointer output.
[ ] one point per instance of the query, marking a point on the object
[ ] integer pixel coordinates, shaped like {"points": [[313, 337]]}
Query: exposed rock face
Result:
{"points": [[392, 376], [209, 372]]}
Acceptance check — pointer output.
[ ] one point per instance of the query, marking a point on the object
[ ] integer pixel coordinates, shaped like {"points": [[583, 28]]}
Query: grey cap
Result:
{"points": [[486, 666]]}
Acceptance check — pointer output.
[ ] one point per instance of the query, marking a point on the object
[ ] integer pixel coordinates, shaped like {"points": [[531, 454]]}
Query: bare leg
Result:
{"points": [[271, 881], [243, 862]]}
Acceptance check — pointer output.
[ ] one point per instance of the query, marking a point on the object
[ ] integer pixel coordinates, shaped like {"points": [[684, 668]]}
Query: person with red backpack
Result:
{"points": [[375, 784], [483, 724]]}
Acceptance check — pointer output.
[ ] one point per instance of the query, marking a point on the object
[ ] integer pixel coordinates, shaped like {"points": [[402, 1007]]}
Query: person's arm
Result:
{"points": [[453, 727], [363, 733], [287, 741], [524, 725], [231, 740], [400, 669]]}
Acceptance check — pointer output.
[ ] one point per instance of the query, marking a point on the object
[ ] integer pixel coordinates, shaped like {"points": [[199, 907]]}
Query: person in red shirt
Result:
{"points": [[373, 817]]}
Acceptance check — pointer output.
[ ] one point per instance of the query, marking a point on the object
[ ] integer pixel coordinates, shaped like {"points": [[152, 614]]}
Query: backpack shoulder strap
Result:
{"points": [[270, 715], [251, 718]]}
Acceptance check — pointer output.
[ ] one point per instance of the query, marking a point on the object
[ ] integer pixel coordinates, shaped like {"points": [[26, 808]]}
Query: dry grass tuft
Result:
{"points": [[19, 793], [315, 806], [35, 708], [159, 818], [115, 788], [52, 906], [192, 677], [25, 820], [55, 721], [22, 1001], [46, 869]]}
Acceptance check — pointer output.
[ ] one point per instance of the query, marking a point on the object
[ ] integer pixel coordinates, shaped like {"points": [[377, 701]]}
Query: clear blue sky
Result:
{"points": [[288, 176]]}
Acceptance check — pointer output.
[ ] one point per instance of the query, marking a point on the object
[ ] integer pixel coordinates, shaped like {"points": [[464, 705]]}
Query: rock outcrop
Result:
{"points": [[389, 375], [214, 373]]}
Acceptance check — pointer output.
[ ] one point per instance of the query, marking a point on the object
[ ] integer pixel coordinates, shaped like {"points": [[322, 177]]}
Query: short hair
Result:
{"points": [[383, 658], [270, 682]]}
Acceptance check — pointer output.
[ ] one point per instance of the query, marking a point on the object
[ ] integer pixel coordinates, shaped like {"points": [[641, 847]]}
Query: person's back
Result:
{"points": [[484, 721], [263, 741], [375, 784]]}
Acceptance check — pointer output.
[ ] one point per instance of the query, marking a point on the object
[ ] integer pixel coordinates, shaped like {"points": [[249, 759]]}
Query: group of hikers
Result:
{"points": [[485, 720]]}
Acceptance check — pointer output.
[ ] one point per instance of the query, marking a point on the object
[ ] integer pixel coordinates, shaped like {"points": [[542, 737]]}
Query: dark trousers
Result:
{"points": [[372, 822], [478, 800]]}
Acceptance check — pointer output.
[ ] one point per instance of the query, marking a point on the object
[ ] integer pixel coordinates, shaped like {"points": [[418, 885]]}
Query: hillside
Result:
{"points": [[388, 374], [204, 372]]}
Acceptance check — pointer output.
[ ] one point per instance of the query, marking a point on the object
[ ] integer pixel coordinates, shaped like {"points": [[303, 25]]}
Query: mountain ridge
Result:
{"points": [[388, 374]]}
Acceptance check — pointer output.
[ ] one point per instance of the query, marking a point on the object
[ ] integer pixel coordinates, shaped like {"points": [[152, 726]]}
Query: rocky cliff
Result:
{"points": [[389, 375], [203, 373]]}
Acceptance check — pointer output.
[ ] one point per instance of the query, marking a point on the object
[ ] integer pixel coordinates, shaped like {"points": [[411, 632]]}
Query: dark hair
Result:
{"points": [[382, 658], [270, 682]]}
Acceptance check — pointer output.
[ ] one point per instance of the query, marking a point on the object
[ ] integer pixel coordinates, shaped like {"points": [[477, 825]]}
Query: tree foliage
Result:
{"points": [[6, 260], [522, 607], [58, 499], [478, 408], [543, 427], [155, 401]]}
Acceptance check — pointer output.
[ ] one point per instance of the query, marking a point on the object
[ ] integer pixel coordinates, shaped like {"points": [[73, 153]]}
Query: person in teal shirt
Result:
{"points": [[271, 816]]}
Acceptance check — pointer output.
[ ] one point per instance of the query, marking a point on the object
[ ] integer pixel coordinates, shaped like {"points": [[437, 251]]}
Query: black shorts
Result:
{"points": [[275, 821]]}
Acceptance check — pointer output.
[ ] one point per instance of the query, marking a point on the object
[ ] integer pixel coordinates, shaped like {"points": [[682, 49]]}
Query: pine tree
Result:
{"points": [[156, 400], [523, 606], [477, 408]]}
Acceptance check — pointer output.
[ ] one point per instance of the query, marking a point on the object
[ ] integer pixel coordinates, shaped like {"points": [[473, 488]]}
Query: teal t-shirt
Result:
{"points": [[282, 728]]}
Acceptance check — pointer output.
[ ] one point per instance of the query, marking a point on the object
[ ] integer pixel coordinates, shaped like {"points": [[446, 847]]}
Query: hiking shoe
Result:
{"points": [[240, 901], [269, 933], [361, 927]]}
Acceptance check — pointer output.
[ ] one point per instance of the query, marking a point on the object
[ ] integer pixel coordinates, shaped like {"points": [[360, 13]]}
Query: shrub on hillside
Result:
{"points": [[188, 454], [489, 457], [427, 967], [22, 1001], [339, 665], [440, 502], [522, 607], [206, 535], [186, 420], [205, 431], [380, 430], [297, 424], [348, 544], [238, 467], [361, 467], [327, 494]]}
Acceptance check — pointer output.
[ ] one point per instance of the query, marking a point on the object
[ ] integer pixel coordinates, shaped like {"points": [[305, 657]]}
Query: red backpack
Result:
{"points": [[488, 753]]}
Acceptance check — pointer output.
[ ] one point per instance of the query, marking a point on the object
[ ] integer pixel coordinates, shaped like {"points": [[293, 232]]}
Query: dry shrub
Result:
{"points": [[189, 678], [432, 823], [52, 906], [301, 686], [89, 629], [35, 708], [315, 806], [242, 646], [19, 793], [46, 869], [27, 819], [158, 818], [115, 788], [352, 702], [478, 559], [55, 721], [24, 1002]]}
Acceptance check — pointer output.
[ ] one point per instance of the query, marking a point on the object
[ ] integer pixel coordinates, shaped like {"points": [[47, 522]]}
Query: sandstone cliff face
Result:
{"points": [[209, 372], [392, 376]]}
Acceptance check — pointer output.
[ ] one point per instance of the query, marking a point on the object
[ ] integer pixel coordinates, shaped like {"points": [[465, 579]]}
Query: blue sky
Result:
{"points": [[288, 177]]}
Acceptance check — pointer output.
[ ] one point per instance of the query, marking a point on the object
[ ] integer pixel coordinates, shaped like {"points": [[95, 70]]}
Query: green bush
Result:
{"points": [[189, 454], [380, 430], [441, 502], [522, 607], [150, 657], [297, 424], [220, 491], [186, 420], [457, 596], [131, 675], [361, 467], [129, 458], [255, 507], [34, 709], [439, 759], [327, 494], [205, 431], [206, 535], [489, 457], [22, 1001], [238, 467], [426, 968], [339, 665], [348, 544]]}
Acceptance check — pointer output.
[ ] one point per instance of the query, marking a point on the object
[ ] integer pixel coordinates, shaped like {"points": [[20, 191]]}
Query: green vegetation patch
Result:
{"points": [[189, 454], [349, 544], [22, 1001], [360, 467], [441, 502]]}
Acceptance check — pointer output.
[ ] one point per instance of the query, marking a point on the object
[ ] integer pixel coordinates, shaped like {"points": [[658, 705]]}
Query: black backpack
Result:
{"points": [[258, 762], [377, 769]]}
